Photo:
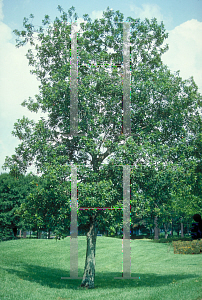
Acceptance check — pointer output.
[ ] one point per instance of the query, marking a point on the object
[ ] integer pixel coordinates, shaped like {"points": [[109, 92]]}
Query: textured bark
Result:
{"points": [[89, 270], [172, 227], [166, 230], [156, 229], [182, 231]]}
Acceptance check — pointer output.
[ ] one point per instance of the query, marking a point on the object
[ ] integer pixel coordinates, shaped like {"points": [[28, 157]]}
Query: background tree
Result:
{"points": [[14, 188], [47, 208], [162, 108]]}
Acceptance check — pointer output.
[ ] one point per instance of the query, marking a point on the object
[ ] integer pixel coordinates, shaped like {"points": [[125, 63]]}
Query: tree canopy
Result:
{"points": [[14, 189]]}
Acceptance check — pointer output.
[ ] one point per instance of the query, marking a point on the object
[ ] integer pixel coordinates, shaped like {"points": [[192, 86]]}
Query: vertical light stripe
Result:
{"points": [[126, 226], [156, 229], [73, 82], [73, 226], [126, 79], [126, 221]]}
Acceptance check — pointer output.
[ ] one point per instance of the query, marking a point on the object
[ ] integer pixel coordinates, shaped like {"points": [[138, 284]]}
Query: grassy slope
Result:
{"points": [[32, 269]]}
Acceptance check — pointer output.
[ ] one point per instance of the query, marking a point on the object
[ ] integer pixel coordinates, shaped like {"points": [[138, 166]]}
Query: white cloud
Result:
{"points": [[16, 85], [151, 11], [1, 10], [185, 43], [16, 81], [6, 33], [147, 11], [96, 14], [185, 51], [79, 21]]}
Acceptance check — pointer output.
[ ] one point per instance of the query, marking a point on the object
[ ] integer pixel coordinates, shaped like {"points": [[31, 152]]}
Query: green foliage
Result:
{"points": [[47, 208], [172, 239], [193, 247], [13, 191], [165, 146]]}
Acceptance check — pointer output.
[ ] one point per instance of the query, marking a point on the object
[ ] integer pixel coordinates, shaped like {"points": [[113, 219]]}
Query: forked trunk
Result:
{"points": [[89, 270]]}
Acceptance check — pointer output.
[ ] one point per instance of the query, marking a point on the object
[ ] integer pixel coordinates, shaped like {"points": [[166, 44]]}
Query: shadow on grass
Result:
{"points": [[51, 277]]}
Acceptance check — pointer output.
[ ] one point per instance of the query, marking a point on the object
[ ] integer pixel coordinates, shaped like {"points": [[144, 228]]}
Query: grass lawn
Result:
{"points": [[32, 269]]}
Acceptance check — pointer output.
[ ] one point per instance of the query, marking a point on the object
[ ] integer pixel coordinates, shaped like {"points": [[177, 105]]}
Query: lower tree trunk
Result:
{"points": [[171, 227], [178, 230], [182, 231], [15, 231], [187, 229], [38, 234], [156, 229], [89, 270], [166, 230]]}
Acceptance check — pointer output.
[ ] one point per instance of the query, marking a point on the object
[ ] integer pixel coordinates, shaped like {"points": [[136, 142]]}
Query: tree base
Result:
{"points": [[86, 285]]}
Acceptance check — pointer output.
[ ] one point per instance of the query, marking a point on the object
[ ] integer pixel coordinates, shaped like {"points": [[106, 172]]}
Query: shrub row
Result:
{"points": [[187, 247]]}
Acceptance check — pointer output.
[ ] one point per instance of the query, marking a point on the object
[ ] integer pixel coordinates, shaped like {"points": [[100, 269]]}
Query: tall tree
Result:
{"points": [[14, 188], [162, 108]]}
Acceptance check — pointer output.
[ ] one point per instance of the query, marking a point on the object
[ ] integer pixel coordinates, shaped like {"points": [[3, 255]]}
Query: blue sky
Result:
{"points": [[182, 19]]}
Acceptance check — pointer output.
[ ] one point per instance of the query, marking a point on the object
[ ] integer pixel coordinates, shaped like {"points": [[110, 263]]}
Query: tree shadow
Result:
{"points": [[51, 277]]}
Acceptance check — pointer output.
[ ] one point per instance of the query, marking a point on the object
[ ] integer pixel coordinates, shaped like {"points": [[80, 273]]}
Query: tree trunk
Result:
{"points": [[48, 234], [156, 230], [172, 227], [178, 230], [166, 230], [15, 231], [188, 228], [89, 270], [182, 231]]}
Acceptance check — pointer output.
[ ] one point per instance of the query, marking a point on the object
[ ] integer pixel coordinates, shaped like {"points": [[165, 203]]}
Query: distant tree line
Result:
{"points": [[33, 203]]}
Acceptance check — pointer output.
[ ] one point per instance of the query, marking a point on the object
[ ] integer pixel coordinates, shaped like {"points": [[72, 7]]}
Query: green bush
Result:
{"points": [[171, 239], [187, 247], [6, 234]]}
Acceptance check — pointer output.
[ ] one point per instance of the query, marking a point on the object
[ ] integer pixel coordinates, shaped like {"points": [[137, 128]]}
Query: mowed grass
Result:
{"points": [[32, 269]]}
